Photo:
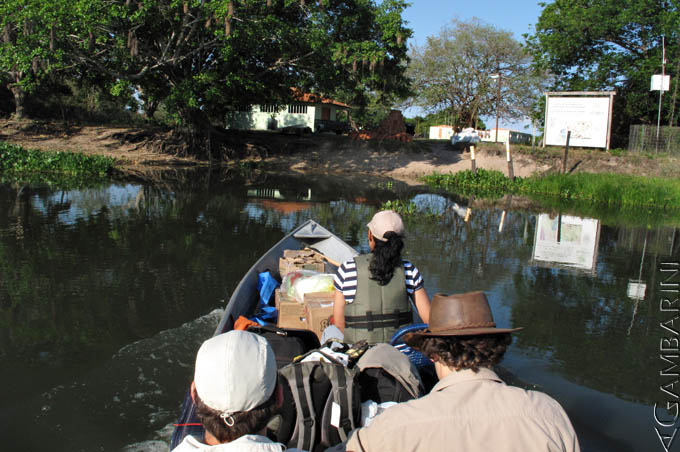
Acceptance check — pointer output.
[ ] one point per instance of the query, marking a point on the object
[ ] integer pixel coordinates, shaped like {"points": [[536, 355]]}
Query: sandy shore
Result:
{"points": [[405, 162]]}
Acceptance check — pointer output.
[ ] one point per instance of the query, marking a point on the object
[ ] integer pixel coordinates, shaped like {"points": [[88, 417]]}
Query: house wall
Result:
{"points": [[334, 111], [441, 133], [258, 120]]}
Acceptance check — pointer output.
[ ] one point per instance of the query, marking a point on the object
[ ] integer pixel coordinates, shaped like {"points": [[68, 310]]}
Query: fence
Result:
{"points": [[643, 138]]}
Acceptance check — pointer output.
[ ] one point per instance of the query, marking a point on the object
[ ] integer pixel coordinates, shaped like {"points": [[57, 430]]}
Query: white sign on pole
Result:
{"points": [[586, 117], [660, 82]]}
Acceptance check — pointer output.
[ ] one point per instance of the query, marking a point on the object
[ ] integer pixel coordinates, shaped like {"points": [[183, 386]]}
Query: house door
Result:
{"points": [[325, 113]]}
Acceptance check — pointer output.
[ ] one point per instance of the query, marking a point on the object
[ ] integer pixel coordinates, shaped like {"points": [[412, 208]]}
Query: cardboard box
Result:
{"points": [[318, 311], [291, 315], [306, 259], [280, 296]]}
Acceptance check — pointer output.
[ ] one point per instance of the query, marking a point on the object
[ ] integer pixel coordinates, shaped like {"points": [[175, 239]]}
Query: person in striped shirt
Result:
{"points": [[374, 292]]}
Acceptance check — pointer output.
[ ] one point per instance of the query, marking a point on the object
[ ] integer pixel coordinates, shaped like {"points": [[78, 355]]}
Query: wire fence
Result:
{"points": [[644, 138]]}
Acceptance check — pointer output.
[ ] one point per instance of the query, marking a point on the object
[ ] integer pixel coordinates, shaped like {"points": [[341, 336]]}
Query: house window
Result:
{"points": [[269, 108], [297, 108]]}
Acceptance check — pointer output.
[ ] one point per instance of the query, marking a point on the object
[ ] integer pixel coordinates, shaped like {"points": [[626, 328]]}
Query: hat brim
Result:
{"points": [[415, 339]]}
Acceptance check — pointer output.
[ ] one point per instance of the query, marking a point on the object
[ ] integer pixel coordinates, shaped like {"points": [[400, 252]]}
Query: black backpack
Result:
{"points": [[321, 404], [287, 343]]}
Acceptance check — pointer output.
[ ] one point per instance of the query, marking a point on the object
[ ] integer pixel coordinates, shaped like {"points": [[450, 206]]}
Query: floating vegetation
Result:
{"points": [[62, 169]]}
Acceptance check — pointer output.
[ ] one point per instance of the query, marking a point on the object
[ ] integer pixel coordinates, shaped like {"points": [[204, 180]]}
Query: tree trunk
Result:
{"points": [[19, 101]]}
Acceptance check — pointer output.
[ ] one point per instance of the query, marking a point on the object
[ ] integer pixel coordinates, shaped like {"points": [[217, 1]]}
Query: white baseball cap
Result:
{"points": [[235, 371], [386, 221]]}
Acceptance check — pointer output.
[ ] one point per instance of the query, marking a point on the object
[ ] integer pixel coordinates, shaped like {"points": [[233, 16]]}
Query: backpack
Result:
{"points": [[387, 375], [322, 399], [287, 343], [321, 404]]}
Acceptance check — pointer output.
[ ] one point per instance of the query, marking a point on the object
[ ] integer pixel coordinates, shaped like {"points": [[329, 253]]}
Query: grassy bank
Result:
{"points": [[65, 169], [623, 198]]}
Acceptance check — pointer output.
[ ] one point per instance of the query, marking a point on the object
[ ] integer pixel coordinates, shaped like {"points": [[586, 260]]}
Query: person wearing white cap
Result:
{"points": [[373, 292], [236, 394]]}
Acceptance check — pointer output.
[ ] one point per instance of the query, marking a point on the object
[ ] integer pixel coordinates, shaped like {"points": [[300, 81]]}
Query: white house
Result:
{"points": [[504, 135], [308, 110], [441, 132]]}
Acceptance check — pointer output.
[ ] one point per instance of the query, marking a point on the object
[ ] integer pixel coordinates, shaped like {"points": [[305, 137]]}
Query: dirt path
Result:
{"points": [[326, 153]]}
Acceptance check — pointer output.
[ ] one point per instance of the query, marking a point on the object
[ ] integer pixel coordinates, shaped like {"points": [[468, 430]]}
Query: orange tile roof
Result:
{"points": [[316, 99]]}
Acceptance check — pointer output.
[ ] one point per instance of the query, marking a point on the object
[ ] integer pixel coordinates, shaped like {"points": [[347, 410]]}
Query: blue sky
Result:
{"points": [[427, 17]]}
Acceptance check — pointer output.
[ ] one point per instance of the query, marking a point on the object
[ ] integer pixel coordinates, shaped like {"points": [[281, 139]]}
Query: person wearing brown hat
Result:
{"points": [[373, 292], [470, 408]]}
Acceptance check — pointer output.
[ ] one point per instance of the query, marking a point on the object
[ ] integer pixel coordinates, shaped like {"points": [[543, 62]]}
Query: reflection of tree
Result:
{"points": [[104, 279], [582, 322]]}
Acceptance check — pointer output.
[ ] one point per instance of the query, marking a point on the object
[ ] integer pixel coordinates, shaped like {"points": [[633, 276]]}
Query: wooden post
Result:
{"points": [[511, 171], [468, 211], [566, 153], [473, 162], [508, 201], [559, 225]]}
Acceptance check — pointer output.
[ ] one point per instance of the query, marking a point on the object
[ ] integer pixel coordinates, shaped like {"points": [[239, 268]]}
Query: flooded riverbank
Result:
{"points": [[106, 294]]}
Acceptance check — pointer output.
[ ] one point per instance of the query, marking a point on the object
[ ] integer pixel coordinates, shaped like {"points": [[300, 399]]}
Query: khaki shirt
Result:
{"points": [[470, 411]]}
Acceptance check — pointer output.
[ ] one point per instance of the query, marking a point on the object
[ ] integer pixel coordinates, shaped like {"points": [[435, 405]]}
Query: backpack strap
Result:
{"points": [[342, 383], [298, 376]]}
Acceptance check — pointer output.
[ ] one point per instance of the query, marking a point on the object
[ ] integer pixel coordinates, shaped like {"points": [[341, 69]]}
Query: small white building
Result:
{"points": [[441, 132], [308, 110], [504, 135]]}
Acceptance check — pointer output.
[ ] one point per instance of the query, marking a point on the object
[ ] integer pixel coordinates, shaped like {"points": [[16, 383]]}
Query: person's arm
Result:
{"points": [[422, 302], [339, 310]]}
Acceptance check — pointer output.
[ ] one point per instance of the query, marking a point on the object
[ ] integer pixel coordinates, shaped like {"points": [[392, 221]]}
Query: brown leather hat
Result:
{"points": [[466, 314]]}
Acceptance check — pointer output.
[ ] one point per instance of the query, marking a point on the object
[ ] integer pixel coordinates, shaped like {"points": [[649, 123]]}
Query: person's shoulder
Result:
{"points": [[408, 265], [190, 444], [538, 402], [349, 263]]}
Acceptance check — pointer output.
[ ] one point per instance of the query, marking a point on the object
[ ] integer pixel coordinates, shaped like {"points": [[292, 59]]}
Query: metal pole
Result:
{"points": [[663, 74], [498, 101]]}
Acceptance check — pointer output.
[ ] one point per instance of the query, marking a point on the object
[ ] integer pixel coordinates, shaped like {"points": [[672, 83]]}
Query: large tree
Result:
{"points": [[463, 67], [612, 44], [201, 57], [30, 44]]}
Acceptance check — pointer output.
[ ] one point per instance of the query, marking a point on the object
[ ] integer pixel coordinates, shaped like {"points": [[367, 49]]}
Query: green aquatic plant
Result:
{"points": [[404, 208], [631, 196], [63, 169], [483, 183]]}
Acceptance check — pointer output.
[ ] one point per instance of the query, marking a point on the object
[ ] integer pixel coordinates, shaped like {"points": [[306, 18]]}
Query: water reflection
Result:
{"points": [[84, 273]]}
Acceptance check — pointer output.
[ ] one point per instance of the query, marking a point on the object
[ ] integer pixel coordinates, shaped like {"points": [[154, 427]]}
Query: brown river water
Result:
{"points": [[107, 292]]}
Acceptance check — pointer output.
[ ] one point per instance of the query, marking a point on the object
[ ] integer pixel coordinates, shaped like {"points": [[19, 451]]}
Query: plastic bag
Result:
{"points": [[296, 284]]}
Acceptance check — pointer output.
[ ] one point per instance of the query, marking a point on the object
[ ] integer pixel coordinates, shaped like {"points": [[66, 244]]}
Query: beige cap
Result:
{"points": [[386, 221], [235, 371]]}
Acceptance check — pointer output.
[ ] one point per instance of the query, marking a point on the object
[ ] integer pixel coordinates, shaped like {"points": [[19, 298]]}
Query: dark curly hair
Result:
{"points": [[245, 422], [466, 352], [386, 257]]}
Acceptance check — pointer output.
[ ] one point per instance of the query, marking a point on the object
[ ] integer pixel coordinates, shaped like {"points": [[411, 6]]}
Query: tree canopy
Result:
{"points": [[201, 57], [454, 70], [612, 44]]}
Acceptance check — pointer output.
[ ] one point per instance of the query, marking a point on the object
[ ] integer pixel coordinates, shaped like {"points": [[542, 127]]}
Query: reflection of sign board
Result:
{"points": [[636, 289], [660, 82], [566, 241], [586, 115]]}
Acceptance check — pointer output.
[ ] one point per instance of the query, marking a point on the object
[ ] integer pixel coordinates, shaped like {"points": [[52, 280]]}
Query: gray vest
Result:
{"points": [[377, 311]]}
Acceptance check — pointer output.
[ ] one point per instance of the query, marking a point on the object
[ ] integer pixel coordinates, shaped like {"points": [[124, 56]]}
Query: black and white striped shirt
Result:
{"points": [[345, 279]]}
